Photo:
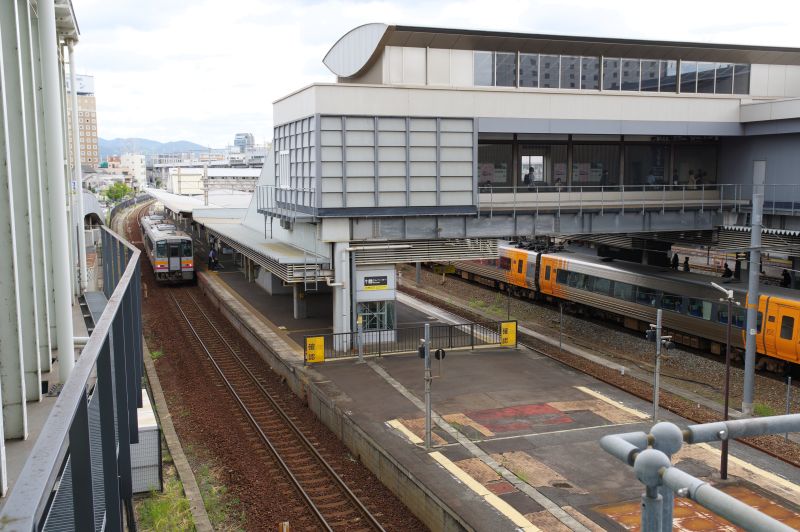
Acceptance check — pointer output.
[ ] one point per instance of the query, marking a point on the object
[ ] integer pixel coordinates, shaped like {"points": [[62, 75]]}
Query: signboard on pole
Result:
{"points": [[315, 349], [508, 333]]}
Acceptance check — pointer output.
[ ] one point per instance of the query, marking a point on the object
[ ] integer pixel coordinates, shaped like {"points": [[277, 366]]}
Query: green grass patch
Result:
{"points": [[166, 511], [156, 354], [221, 506], [762, 410]]}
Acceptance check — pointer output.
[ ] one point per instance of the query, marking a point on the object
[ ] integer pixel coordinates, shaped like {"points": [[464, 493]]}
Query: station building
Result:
{"points": [[433, 143]]}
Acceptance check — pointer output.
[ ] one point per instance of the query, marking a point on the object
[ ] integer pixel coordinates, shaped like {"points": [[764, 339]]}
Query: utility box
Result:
{"points": [[146, 470]]}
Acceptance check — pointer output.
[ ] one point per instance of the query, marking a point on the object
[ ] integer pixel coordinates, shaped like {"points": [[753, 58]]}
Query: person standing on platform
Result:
{"points": [[675, 261], [686, 264], [727, 273], [212, 259], [786, 279]]}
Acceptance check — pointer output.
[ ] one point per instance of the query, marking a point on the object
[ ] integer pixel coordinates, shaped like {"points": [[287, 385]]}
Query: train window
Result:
{"points": [[699, 308], [738, 319], [602, 286], [787, 327], [624, 291], [547, 273], [646, 296], [161, 248], [187, 248], [760, 319], [671, 302], [561, 276], [520, 264], [505, 263]]}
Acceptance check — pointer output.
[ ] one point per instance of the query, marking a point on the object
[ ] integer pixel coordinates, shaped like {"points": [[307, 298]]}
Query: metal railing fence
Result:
{"points": [[78, 475], [408, 339], [125, 204]]}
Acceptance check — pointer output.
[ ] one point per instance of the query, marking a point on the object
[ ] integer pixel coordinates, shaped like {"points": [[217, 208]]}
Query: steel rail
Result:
{"points": [[318, 514]]}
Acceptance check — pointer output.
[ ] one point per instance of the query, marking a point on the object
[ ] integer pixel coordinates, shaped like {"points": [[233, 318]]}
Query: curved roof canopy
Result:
{"points": [[360, 47]]}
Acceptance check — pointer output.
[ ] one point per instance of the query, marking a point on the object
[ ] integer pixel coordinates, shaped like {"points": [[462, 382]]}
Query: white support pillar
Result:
{"points": [[73, 261], [31, 78], [341, 293], [12, 382], [77, 171], [59, 243], [299, 308]]}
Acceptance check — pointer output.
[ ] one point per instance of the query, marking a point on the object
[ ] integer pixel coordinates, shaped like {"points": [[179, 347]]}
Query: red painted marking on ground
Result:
{"points": [[501, 487], [519, 418]]}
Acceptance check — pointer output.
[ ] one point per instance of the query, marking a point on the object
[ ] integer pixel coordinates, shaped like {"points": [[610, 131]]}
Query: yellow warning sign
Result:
{"points": [[315, 349], [508, 333]]}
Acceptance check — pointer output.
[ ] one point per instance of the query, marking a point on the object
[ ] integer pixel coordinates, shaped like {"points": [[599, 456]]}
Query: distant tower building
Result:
{"points": [[87, 121], [243, 141]]}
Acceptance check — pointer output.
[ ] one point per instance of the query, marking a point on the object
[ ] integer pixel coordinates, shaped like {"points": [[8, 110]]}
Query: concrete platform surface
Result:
{"points": [[516, 438]]}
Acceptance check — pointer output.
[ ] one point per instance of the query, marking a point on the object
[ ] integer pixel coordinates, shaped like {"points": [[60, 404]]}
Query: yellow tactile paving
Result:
{"points": [[417, 426], [479, 470], [609, 412], [502, 506], [461, 419], [534, 472], [632, 411], [398, 425]]}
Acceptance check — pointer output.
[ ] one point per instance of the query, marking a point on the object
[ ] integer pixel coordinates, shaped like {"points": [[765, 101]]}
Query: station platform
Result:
{"points": [[516, 434]]}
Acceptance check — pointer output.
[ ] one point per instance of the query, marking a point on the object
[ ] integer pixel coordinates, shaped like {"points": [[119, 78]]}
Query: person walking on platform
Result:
{"points": [[686, 264], [786, 279], [727, 273], [675, 261], [212, 259]]}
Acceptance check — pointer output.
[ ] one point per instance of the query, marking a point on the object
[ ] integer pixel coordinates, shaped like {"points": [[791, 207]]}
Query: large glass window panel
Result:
{"points": [[646, 296], [610, 74], [645, 164], [505, 69], [724, 79], [629, 74], [624, 291], [699, 308], [688, 76], [570, 72], [543, 165], [650, 72], [495, 168], [705, 77], [590, 73], [669, 76], [528, 70], [741, 79], [595, 164], [695, 165], [483, 63], [549, 71]]}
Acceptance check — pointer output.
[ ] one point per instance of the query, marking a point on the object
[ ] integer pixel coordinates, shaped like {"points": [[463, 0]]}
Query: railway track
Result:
{"points": [[332, 505]]}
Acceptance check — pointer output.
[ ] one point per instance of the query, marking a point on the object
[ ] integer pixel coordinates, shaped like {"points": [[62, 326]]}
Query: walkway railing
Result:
{"points": [[78, 475], [408, 339], [283, 202], [127, 203]]}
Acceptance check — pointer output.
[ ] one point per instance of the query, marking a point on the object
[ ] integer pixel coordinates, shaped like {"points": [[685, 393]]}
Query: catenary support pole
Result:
{"points": [[77, 170], [723, 466], [759, 175], [657, 372], [59, 242], [419, 273], [428, 379]]}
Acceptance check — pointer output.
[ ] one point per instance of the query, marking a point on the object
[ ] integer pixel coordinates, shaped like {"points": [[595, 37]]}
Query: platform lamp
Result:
{"points": [[723, 467]]}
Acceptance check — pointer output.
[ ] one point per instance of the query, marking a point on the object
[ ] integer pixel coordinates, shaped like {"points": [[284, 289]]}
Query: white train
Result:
{"points": [[170, 251]]}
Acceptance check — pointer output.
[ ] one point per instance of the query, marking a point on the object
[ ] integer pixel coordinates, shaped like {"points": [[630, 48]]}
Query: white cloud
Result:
{"points": [[205, 70]]}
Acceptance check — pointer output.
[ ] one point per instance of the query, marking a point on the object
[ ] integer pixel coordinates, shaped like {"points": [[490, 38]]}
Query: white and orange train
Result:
{"points": [[630, 293], [170, 251]]}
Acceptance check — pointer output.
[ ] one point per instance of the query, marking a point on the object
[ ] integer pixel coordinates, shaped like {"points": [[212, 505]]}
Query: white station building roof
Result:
{"points": [[217, 199]]}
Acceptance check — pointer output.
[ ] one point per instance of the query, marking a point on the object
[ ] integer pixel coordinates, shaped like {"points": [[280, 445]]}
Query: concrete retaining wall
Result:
{"points": [[281, 358]]}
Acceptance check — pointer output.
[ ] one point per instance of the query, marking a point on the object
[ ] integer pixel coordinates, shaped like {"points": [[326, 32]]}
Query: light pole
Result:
{"points": [[723, 467]]}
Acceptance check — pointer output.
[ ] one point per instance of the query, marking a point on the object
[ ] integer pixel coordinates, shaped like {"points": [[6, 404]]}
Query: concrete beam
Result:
{"points": [[12, 383]]}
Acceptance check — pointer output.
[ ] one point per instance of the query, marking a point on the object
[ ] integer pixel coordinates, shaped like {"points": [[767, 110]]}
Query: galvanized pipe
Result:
{"points": [[759, 176], [742, 428]]}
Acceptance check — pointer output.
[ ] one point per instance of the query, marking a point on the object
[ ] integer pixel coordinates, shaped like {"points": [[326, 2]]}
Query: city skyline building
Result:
{"points": [[87, 121]]}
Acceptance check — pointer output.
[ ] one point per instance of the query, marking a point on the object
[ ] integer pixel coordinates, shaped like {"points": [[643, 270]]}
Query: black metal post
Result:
{"points": [[723, 468]]}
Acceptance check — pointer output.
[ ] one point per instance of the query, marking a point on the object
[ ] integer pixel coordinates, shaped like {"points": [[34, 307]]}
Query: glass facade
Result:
{"points": [[646, 164], [595, 164], [495, 165], [543, 165], [507, 69]]}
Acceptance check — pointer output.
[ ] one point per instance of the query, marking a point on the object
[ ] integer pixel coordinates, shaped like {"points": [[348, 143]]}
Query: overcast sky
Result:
{"points": [[204, 70]]}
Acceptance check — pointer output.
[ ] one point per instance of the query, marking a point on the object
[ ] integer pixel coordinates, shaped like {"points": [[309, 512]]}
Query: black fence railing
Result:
{"points": [[78, 475], [125, 204], [408, 339]]}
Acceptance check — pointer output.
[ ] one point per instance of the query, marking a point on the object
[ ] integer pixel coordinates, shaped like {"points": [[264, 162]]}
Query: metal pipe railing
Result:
{"points": [[113, 353]]}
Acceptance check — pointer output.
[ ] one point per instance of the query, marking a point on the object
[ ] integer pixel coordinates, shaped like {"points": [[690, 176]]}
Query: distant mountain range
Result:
{"points": [[145, 146]]}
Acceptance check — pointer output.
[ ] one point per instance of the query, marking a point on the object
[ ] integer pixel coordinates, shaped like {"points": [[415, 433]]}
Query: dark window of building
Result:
{"points": [[695, 165], [630, 74], [705, 77], [590, 73], [570, 68], [610, 74], [645, 164], [505, 69], [668, 77], [495, 167], [650, 72], [787, 327], [529, 70], [724, 79], [484, 68], [741, 79], [595, 164], [548, 71], [688, 76]]}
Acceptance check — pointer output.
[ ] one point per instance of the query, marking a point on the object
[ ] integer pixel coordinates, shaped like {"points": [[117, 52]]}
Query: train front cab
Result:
{"points": [[173, 260], [779, 336]]}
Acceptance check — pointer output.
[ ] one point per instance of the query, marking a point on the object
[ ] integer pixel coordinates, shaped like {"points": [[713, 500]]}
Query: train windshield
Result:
{"points": [[161, 248], [187, 248]]}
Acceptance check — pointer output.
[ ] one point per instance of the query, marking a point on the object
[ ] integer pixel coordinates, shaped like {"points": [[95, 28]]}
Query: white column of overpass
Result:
{"points": [[342, 292], [59, 242], [68, 177], [77, 171], [38, 192], [12, 382]]}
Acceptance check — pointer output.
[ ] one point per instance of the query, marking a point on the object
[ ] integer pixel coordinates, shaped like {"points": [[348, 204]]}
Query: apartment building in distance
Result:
{"points": [[87, 121]]}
